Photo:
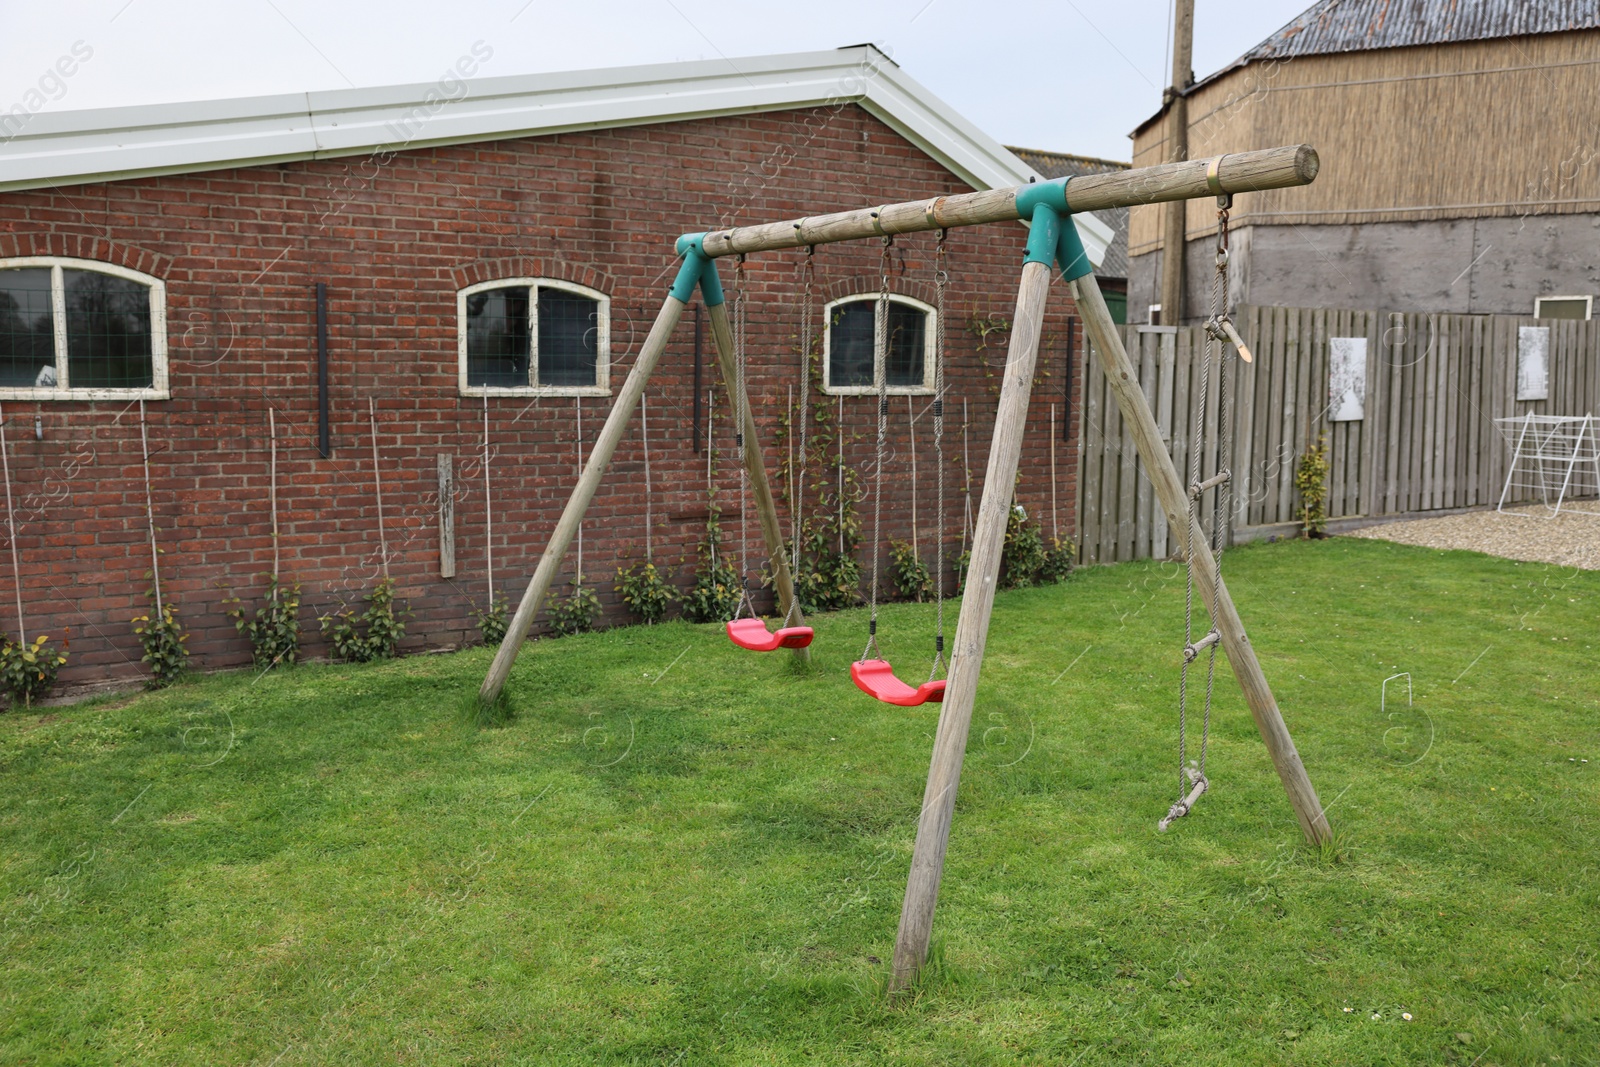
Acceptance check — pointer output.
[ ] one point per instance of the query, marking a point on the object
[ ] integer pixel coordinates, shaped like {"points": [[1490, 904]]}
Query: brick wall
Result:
{"points": [[394, 237]]}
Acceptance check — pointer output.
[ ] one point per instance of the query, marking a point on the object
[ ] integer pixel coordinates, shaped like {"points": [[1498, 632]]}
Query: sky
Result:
{"points": [[1069, 75]]}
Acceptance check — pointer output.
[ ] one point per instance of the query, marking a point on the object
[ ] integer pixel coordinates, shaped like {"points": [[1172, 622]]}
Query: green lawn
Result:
{"points": [[683, 853]]}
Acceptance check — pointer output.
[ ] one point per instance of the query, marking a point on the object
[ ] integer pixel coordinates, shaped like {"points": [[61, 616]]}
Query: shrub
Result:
{"points": [[714, 597], [576, 613], [1311, 479], [644, 591], [29, 671], [911, 578], [494, 623], [274, 633], [381, 624], [1058, 561], [164, 643], [1022, 557]]}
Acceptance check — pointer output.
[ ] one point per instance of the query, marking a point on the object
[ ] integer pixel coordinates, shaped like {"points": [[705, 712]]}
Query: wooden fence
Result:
{"points": [[1424, 439]]}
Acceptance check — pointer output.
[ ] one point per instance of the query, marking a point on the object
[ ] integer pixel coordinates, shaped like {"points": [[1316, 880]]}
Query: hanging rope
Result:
{"points": [[1192, 781], [941, 278], [740, 413], [880, 360], [804, 385]]}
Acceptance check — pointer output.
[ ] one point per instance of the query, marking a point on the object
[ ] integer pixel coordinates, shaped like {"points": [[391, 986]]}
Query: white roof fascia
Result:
{"points": [[109, 144]]}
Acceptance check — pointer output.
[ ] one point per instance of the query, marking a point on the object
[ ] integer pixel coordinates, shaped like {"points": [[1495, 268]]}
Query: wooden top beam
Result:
{"points": [[1236, 172]]}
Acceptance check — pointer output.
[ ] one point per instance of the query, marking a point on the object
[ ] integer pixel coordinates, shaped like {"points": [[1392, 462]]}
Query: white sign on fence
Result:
{"points": [[1347, 379], [1533, 362]]}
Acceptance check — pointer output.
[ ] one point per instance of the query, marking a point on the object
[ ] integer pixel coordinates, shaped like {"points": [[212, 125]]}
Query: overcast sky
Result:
{"points": [[1069, 75]]}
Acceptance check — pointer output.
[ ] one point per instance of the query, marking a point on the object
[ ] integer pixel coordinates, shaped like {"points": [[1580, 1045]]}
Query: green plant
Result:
{"points": [[1022, 557], [492, 624], [714, 596], [1311, 479], [381, 624], [963, 562], [911, 578], [644, 591], [574, 613], [1058, 561], [29, 671], [274, 633], [164, 643]]}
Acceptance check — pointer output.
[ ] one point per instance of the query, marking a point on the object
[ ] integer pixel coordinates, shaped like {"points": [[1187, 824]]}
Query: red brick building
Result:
{"points": [[506, 236]]}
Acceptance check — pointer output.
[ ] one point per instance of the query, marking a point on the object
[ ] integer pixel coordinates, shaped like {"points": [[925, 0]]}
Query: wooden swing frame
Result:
{"points": [[1048, 205]]}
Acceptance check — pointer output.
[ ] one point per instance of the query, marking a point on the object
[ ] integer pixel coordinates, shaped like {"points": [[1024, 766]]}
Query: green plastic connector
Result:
{"points": [[710, 284], [1052, 194], [1043, 235], [688, 278], [1070, 255], [698, 269]]}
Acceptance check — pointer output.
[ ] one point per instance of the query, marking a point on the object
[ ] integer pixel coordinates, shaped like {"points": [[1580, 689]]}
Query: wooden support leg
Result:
{"points": [[594, 471], [755, 466], [966, 658], [1124, 382]]}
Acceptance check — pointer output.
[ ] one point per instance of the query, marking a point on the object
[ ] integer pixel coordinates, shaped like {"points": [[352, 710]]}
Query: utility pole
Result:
{"points": [[1174, 234]]}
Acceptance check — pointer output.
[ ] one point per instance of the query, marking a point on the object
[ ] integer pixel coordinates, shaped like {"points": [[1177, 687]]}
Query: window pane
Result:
{"points": [[108, 332], [569, 338], [850, 344], [27, 342], [497, 337], [907, 326]]}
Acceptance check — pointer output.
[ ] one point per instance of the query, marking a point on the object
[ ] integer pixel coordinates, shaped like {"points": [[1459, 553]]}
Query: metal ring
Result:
{"points": [[1214, 174], [877, 221], [930, 213]]}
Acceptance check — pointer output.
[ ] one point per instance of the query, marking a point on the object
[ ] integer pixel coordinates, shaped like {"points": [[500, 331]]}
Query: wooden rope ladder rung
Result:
{"points": [[1212, 482], [1191, 652]]}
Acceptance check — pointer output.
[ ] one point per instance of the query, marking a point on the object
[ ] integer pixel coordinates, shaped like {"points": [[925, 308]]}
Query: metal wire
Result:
{"points": [[880, 346], [941, 278], [739, 402]]}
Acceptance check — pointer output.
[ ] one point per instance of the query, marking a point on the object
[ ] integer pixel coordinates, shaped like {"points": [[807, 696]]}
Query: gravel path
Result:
{"points": [[1570, 540]]}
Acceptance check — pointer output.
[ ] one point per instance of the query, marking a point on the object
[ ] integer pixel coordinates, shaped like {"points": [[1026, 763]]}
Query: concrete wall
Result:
{"points": [[1488, 266]]}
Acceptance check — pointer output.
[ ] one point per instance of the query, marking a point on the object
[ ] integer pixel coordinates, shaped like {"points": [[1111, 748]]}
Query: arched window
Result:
{"points": [[533, 336], [74, 329], [848, 346]]}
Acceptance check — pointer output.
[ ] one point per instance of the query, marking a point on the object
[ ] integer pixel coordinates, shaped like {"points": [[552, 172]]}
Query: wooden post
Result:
{"points": [[377, 485], [1174, 239], [561, 539], [1169, 489], [447, 515], [1235, 172], [272, 486], [756, 466], [966, 657]]}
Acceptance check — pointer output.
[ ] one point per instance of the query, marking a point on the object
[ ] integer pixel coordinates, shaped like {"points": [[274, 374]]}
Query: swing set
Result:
{"points": [[1053, 247]]}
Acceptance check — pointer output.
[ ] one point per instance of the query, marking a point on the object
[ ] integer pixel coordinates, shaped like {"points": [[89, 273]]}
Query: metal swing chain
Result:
{"points": [[1223, 499], [805, 417], [941, 278], [880, 360], [738, 439], [1215, 336]]}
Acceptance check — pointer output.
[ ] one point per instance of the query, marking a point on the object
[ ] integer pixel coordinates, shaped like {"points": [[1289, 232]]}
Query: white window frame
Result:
{"points": [[602, 360], [158, 388], [1588, 305], [930, 342]]}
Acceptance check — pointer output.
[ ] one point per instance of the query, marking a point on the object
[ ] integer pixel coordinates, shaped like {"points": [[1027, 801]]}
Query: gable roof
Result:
{"points": [[1362, 25], [1334, 26], [110, 144], [1067, 165]]}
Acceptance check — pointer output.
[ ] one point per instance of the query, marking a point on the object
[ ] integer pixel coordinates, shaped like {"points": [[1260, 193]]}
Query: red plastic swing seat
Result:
{"points": [[753, 634], [875, 678]]}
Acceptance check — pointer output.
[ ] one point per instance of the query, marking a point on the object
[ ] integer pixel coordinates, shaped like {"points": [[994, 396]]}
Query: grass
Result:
{"points": [[677, 852]]}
